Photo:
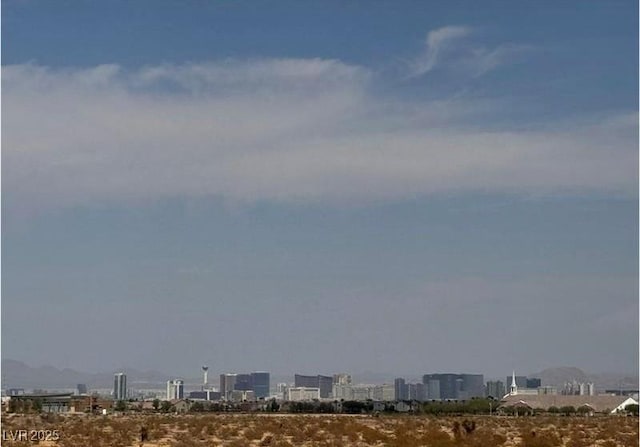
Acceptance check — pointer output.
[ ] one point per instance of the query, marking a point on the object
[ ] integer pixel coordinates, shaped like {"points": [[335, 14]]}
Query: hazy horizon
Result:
{"points": [[320, 187], [194, 375]]}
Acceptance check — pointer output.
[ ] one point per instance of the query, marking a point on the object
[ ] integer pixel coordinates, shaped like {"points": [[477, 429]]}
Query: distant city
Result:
{"points": [[257, 385], [255, 391]]}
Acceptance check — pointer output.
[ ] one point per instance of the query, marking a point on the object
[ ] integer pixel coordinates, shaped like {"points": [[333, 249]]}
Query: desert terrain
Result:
{"points": [[285, 430]]}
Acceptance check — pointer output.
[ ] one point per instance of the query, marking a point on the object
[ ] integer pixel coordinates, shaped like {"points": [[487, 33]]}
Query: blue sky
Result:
{"points": [[321, 186]]}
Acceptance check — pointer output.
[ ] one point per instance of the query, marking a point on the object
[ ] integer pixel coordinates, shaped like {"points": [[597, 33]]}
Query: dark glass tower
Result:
{"points": [[261, 384]]}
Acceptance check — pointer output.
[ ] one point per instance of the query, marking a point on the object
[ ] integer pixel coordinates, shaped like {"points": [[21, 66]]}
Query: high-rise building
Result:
{"points": [[344, 392], [282, 390], [175, 389], [81, 389], [342, 379], [385, 392], [534, 382], [416, 391], [446, 384], [324, 383], [401, 390], [261, 384], [472, 386], [303, 393], [432, 387], [521, 381], [582, 388], [120, 386], [258, 382], [495, 389], [244, 382], [454, 386], [242, 396], [227, 384]]}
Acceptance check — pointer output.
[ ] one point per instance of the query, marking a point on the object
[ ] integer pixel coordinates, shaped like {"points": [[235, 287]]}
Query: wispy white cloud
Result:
{"points": [[447, 46], [483, 60], [437, 41], [277, 130]]}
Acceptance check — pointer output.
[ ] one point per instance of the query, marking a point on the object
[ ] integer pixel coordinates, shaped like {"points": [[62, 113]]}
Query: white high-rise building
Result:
{"points": [[282, 390], [342, 379], [175, 389], [227, 385], [120, 386], [302, 393]]}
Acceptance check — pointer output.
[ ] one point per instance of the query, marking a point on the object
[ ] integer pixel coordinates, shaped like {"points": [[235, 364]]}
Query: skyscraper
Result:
{"points": [[175, 389], [324, 383], [261, 384], [120, 386], [472, 386], [453, 386], [432, 387], [227, 384], [521, 381], [495, 389], [342, 379], [416, 391], [401, 389], [534, 382], [447, 385], [244, 382]]}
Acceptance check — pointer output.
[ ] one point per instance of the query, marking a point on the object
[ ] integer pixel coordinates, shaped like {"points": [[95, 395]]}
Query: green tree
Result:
{"points": [[165, 406], [121, 405], [273, 406], [156, 404], [632, 408], [584, 409]]}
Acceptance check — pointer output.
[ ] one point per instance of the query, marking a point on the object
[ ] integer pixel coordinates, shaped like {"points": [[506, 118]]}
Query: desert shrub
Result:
{"points": [[542, 438], [253, 432], [371, 435], [431, 436], [567, 410]]}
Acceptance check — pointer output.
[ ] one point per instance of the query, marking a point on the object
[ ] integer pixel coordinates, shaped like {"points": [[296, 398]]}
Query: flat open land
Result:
{"points": [[277, 430]]}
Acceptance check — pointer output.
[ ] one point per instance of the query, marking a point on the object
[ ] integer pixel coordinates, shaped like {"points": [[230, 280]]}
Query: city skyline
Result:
{"points": [[320, 187], [573, 377], [258, 387]]}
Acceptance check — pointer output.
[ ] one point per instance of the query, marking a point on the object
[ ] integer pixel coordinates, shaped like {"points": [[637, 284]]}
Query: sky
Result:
{"points": [[317, 187]]}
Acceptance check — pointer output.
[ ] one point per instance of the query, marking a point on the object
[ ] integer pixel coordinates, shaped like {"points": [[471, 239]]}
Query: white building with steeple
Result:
{"points": [[515, 391]]}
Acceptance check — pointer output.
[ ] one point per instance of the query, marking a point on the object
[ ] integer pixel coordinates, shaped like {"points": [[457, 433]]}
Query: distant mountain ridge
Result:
{"points": [[17, 374], [604, 381]]}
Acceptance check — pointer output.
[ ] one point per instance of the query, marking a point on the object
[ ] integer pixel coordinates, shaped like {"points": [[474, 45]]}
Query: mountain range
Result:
{"points": [[17, 374]]}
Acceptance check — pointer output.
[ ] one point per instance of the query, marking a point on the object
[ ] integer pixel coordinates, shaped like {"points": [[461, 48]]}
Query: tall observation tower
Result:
{"points": [[205, 372]]}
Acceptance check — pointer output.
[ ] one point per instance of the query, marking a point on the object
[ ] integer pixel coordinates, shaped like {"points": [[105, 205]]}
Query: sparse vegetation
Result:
{"points": [[329, 430]]}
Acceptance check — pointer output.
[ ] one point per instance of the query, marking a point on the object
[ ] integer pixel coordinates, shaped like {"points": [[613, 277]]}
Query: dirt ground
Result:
{"points": [[278, 430]]}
